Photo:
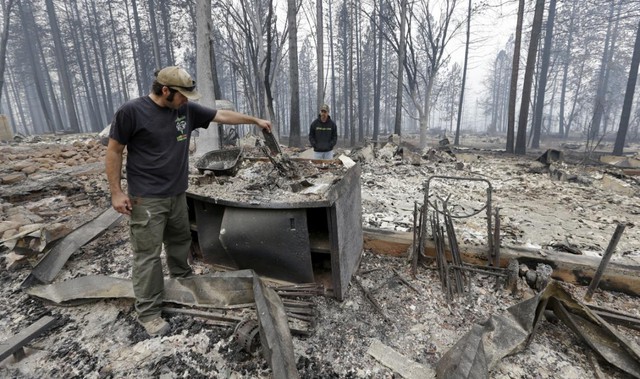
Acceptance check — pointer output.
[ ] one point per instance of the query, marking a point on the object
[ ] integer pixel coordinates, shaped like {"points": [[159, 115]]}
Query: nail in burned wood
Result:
{"points": [[15, 344], [605, 260]]}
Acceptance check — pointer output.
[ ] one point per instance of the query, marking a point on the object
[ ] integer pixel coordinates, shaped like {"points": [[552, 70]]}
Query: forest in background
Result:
{"points": [[66, 66]]}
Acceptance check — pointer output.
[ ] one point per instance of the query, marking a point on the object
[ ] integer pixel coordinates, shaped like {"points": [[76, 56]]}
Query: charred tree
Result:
{"points": [[402, 46], [100, 60], [166, 25], [544, 69], [464, 76], [377, 85], [123, 93], [267, 68], [333, 61], [628, 97], [28, 26], [599, 106], [141, 51], [4, 39], [63, 72], [536, 28], [565, 71], [155, 41], [294, 116], [81, 58], [319, 55], [359, 75], [513, 87]]}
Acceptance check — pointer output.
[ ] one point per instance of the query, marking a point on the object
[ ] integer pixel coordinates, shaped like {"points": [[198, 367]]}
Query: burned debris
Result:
{"points": [[14, 346], [482, 347], [313, 234], [332, 297], [476, 353]]}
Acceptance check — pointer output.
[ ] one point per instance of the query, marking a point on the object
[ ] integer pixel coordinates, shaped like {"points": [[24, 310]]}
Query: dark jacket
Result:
{"points": [[323, 135]]}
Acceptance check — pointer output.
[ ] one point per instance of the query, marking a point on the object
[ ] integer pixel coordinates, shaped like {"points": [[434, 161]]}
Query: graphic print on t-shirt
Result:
{"points": [[181, 125]]}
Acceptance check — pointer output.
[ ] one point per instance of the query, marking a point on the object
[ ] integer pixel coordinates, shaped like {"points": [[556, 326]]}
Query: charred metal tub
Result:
{"points": [[301, 242], [221, 162]]}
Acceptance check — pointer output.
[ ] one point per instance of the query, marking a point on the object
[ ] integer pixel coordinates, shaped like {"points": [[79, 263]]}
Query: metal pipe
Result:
{"points": [[416, 250]]}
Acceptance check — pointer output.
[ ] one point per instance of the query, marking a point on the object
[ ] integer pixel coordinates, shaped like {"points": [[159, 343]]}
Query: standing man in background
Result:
{"points": [[156, 130], [323, 135]]}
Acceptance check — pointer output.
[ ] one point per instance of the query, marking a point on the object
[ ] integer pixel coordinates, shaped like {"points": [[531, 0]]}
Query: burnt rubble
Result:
{"points": [[51, 186]]}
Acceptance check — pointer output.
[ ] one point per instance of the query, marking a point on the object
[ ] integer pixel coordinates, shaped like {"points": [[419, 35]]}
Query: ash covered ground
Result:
{"points": [[542, 207]]}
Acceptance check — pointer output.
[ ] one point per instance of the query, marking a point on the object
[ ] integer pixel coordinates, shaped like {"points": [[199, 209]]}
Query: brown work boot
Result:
{"points": [[156, 326]]}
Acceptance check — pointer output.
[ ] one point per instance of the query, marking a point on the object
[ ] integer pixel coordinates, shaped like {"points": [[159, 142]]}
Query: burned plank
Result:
{"points": [[15, 344], [386, 242], [398, 362], [566, 267]]}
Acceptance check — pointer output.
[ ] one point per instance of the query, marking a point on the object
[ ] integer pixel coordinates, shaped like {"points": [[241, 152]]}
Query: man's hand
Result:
{"points": [[264, 124], [121, 203]]}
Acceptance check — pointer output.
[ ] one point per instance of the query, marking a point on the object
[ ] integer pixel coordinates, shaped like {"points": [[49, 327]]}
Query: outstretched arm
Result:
{"points": [[224, 116]]}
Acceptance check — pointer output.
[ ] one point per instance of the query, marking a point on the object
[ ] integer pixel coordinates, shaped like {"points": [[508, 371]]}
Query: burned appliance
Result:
{"points": [[297, 239]]}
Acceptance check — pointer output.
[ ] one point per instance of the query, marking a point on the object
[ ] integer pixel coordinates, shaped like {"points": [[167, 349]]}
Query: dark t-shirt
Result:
{"points": [[157, 140]]}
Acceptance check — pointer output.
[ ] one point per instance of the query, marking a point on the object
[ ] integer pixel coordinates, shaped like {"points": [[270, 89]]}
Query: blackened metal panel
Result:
{"points": [[209, 219], [275, 336], [272, 242], [50, 265], [345, 231]]}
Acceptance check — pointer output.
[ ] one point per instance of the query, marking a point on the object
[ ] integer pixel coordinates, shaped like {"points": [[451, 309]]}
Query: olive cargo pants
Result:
{"points": [[155, 221]]}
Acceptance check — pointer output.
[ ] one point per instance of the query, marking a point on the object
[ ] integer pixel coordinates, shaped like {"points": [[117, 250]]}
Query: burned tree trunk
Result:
{"points": [[521, 138], [513, 88], [542, 84], [628, 97]]}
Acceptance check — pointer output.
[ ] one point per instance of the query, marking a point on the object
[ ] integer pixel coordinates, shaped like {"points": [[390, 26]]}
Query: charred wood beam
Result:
{"points": [[569, 268]]}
